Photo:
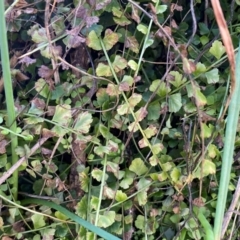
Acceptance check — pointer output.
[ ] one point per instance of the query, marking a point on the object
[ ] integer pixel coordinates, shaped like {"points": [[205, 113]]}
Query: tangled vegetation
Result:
{"points": [[117, 116]]}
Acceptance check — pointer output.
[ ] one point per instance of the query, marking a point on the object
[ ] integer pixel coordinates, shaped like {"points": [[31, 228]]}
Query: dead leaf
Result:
{"points": [[3, 144], [45, 72], [38, 103], [21, 77], [176, 209], [173, 24], [198, 202], [27, 60], [175, 6], [21, 4], [135, 15], [124, 87]]}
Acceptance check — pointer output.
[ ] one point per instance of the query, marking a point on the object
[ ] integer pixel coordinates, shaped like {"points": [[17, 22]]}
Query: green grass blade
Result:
{"points": [[11, 119], [100, 232], [229, 140], [205, 224]]}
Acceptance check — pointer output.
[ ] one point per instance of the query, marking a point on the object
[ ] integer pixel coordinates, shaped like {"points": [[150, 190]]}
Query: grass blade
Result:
{"points": [[231, 128], [11, 119]]}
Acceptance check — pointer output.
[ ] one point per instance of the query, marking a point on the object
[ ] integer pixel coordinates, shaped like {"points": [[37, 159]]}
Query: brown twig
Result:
{"points": [[53, 60], [10, 171], [228, 214]]}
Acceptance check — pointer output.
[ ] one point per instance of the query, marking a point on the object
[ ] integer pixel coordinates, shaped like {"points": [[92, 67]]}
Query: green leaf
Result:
{"points": [[119, 63], [39, 35], [60, 91], [94, 203], [190, 107], [200, 68], [93, 41], [97, 174], [207, 130], [107, 219], [47, 233], [119, 18], [105, 131], [133, 127], [178, 79], [153, 111], [116, 12], [135, 99], [175, 174], [22, 151], [143, 183], [175, 218], [102, 96], [82, 207], [175, 102], [90, 236], [126, 182], [137, 166], [205, 169], [46, 52], [37, 166], [38, 221], [157, 148], [217, 49], [103, 70], [189, 90], [128, 219], [162, 176], [200, 98], [150, 131], [212, 76], [142, 28], [60, 216], [161, 88], [149, 43], [142, 198], [62, 114], [133, 65], [101, 150], [140, 222], [42, 87], [153, 160], [161, 9], [127, 79], [83, 122], [204, 30], [154, 176], [123, 109], [110, 39], [3, 160], [120, 196], [13, 212], [204, 40], [58, 24], [167, 166], [212, 151]]}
